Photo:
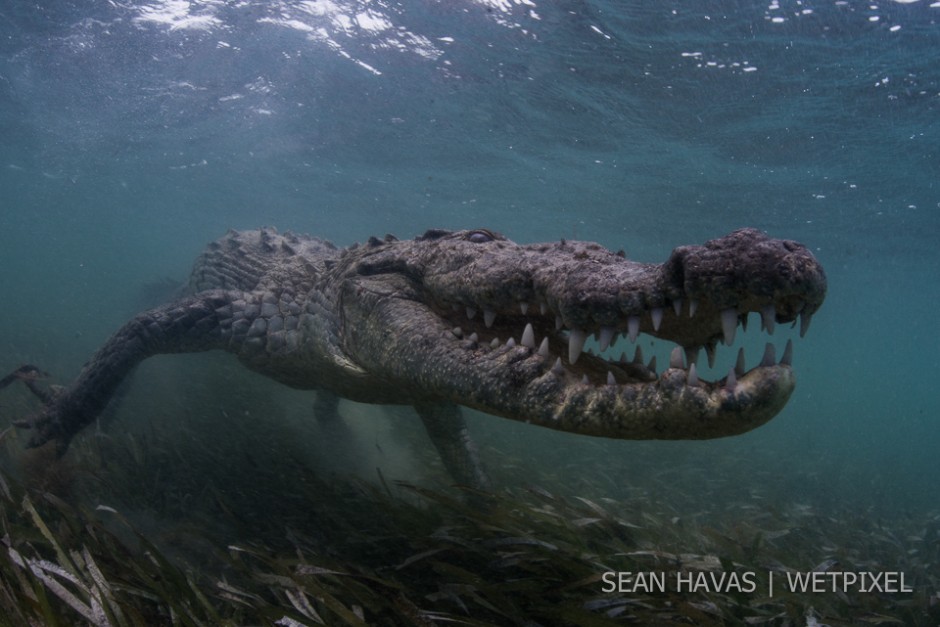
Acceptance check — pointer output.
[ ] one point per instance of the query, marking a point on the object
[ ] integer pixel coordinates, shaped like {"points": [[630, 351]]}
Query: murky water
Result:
{"points": [[134, 133]]}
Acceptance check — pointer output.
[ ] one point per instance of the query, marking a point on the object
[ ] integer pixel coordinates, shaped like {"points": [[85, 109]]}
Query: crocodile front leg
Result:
{"points": [[195, 324], [444, 424], [448, 431]]}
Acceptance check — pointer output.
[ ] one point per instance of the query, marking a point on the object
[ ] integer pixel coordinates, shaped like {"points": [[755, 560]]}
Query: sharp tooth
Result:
{"points": [[558, 323], [607, 334], [510, 343], [471, 312], [710, 352], [488, 317], [677, 306], [729, 323], [787, 359], [610, 378], [656, 313], [691, 355], [739, 362], [494, 343], [543, 348], [543, 308], [770, 356], [805, 319], [693, 306], [638, 356], [558, 369], [528, 336], [732, 381], [623, 358], [584, 380], [575, 344], [652, 365], [675, 358], [474, 337], [524, 308], [768, 318], [457, 331], [693, 376], [633, 327]]}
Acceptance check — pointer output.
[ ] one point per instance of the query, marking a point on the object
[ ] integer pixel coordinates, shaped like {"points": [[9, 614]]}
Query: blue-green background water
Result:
{"points": [[133, 133]]}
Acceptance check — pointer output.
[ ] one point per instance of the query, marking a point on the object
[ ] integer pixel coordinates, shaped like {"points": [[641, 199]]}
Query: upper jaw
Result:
{"points": [[696, 299]]}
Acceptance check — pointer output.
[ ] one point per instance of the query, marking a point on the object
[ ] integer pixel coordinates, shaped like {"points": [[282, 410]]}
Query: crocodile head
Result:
{"points": [[476, 319]]}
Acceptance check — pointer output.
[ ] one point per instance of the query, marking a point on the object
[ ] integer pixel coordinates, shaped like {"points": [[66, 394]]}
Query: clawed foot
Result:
{"points": [[25, 374], [43, 423], [45, 427]]}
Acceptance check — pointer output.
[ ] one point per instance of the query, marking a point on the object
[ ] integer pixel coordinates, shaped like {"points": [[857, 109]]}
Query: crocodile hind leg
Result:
{"points": [[334, 429], [29, 375], [448, 431], [198, 323], [326, 409]]}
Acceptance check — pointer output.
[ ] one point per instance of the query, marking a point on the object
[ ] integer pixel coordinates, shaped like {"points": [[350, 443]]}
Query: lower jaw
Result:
{"points": [[669, 408], [517, 382]]}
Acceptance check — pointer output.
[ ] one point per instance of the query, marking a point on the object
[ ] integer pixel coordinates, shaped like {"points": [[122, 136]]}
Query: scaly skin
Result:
{"points": [[412, 322]]}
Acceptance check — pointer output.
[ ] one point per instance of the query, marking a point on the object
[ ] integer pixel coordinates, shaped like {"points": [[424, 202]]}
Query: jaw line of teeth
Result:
{"points": [[730, 318], [607, 336]]}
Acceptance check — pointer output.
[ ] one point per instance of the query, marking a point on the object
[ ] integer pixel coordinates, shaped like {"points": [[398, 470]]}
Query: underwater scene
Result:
{"points": [[451, 407]]}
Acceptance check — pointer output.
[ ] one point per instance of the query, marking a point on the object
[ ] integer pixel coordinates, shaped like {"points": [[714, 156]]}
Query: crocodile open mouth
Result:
{"points": [[612, 354], [550, 333]]}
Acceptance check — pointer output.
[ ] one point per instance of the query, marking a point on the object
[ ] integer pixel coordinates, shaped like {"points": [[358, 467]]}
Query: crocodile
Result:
{"points": [[470, 318]]}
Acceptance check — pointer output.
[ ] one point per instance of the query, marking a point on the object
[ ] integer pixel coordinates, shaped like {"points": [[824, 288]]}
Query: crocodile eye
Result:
{"points": [[480, 237]]}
